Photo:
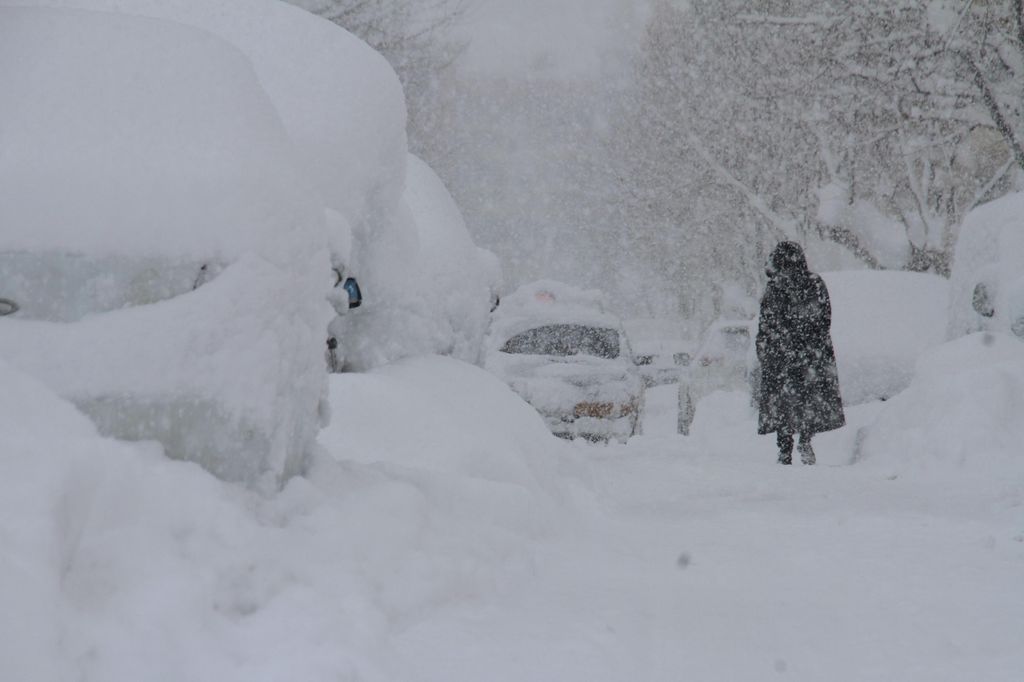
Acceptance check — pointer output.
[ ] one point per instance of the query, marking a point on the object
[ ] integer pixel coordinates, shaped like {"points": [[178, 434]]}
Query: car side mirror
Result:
{"points": [[355, 295], [981, 300], [8, 307]]}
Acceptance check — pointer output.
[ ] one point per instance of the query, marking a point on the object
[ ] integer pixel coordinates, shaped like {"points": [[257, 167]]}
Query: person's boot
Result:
{"points": [[806, 452], [785, 457]]}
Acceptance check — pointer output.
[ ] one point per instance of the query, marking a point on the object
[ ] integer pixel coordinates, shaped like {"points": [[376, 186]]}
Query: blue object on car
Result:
{"points": [[355, 296]]}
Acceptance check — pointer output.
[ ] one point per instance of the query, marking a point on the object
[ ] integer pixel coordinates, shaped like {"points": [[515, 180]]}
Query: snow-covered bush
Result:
{"points": [[987, 282], [881, 323], [963, 409], [170, 257]]}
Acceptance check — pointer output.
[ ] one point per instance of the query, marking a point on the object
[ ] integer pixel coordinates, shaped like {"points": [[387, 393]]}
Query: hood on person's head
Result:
{"points": [[788, 257]]}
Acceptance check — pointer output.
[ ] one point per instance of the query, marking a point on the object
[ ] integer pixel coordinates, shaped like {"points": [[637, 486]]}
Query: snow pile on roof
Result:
{"points": [[339, 101], [134, 136], [429, 287], [548, 302], [881, 323], [989, 250], [963, 409]]}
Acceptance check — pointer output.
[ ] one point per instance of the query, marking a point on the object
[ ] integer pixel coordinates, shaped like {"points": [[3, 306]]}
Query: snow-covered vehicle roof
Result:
{"points": [[987, 281], [140, 137], [339, 101], [137, 151], [548, 301]]}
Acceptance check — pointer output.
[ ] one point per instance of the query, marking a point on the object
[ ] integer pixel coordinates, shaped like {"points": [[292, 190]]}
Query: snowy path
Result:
{"points": [[729, 567], [669, 558], [739, 570]]}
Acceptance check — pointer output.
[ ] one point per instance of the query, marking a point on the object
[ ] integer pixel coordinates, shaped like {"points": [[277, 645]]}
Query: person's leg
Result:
{"points": [[805, 449], [785, 442]]}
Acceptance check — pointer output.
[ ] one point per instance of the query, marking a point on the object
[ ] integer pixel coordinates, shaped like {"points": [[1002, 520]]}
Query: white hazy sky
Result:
{"points": [[549, 38]]}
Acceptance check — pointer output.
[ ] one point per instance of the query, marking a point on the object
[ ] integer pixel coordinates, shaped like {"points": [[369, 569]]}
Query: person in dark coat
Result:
{"points": [[799, 381]]}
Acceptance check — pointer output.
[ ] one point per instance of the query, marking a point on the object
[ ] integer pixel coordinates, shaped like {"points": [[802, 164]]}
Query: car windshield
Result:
{"points": [[59, 286], [565, 339]]}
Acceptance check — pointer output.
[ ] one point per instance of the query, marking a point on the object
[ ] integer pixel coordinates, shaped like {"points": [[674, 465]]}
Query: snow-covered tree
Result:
{"points": [[871, 126]]}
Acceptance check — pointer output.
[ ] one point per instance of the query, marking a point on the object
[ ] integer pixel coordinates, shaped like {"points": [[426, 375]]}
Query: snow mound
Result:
{"points": [[881, 323], [455, 419], [122, 562], [963, 409]]}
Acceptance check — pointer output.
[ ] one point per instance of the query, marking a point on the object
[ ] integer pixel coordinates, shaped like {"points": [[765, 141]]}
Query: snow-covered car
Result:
{"points": [[662, 368], [987, 281], [723, 358], [660, 350], [429, 250], [166, 258], [561, 351], [722, 362]]}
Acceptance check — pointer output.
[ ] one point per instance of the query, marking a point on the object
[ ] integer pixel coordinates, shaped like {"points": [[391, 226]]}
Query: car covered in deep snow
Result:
{"points": [[661, 350], [722, 360], [559, 348], [987, 281], [165, 263]]}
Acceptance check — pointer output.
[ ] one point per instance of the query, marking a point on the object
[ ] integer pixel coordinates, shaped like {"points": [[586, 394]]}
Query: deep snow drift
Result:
{"points": [[965, 407], [445, 535], [128, 566]]}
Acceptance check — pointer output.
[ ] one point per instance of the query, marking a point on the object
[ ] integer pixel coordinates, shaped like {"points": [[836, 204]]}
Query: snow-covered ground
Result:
{"points": [[437, 531], [445, 535]]}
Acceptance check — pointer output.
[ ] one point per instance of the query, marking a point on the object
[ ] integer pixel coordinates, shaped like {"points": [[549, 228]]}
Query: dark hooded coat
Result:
{"points": [[799, 381]]}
